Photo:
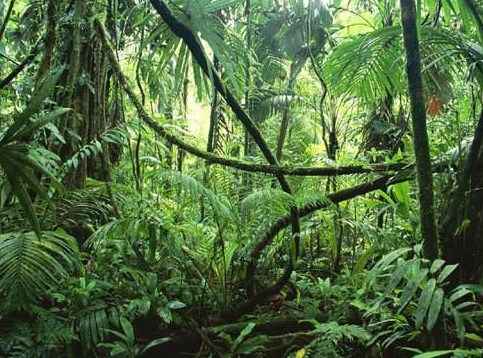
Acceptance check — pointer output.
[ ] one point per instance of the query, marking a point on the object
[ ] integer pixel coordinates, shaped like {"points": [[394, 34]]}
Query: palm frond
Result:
{"points": [[29, 267], [368, 65], [372, 65], [272, 105]]}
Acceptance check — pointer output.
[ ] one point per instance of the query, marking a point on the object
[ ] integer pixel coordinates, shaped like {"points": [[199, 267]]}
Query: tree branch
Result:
{"points": [[307, 209], [230, 162], [7, 19], [7, 80], [194, 44]]}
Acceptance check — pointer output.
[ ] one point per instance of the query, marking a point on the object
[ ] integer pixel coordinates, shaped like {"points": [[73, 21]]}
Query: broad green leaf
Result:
{"points": [[155, 343], [252, 345], [362, 261], [32, 182], [474, 337], [458, 293], [461, 352], [435, 308], [31, 162], [397, 276], [434, 354], [176, 305], [424, 302], [128, 329], [18, 188], [245, 332], [165, 314], [411, 289], [436, 265], [118, 334], [458, 320], [32, 127], [389, 258], [33, 106], [447, 270], [144, 305]]}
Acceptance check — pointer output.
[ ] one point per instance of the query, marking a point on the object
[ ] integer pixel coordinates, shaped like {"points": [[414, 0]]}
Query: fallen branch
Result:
{"points": [[204, 337], [281, 328]]}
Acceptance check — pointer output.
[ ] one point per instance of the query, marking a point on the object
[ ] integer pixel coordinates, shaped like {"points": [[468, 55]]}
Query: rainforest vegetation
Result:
{"points": [[241, 178]]}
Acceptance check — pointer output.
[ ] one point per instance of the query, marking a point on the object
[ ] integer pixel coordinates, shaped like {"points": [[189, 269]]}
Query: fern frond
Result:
{"points": [[195, 190], [274, 200]]}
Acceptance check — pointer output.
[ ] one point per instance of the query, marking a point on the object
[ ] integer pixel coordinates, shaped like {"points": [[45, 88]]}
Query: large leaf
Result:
{"points": [[411, 288], [34, 105], [14, 175], [397, 276], [33, 126], [30, 267], [435, 308], [362, 261], [424, 302]]}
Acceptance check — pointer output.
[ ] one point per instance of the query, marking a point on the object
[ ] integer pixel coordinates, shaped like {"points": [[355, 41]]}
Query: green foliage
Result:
{"points": [[15, 160], [30, 267], [415, 290], [126, 346], [241, 346], [371, 65], [453, 352], [42, 337], [332, 339]]}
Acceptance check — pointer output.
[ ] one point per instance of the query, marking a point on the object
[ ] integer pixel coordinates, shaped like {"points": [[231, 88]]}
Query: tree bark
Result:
{"points": [[421, 142], [49, 40], [295, 69], [421, 148], [462, 244]]}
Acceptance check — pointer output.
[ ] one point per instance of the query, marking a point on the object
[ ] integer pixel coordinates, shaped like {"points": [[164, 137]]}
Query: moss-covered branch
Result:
{"points": [[308, 209], [230, 162]]}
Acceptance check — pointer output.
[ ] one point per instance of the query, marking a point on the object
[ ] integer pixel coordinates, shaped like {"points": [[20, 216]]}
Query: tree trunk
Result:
{"points": [[421, 148], [295, 69], [421, 143], [49, 40], [462, 226]]}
